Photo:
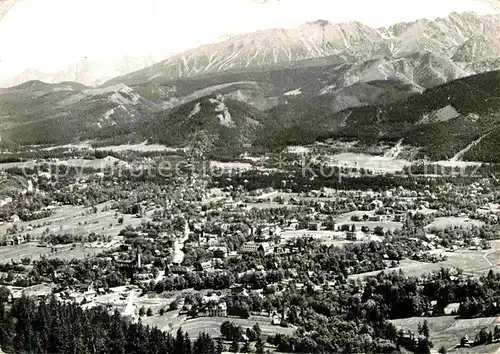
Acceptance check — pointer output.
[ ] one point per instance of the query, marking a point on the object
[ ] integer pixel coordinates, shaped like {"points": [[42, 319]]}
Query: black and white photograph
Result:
{"points": [[249, 176]]}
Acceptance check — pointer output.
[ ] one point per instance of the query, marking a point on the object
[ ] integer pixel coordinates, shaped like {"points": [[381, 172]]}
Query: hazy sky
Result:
{"points": [[48, 35]]}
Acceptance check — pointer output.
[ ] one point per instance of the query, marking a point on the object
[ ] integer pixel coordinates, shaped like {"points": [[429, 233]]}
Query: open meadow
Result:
{"points": [[444, 222], [387, 224], [377, 164], [76, 220], [269, 205], [18, 252], [103, 163], [211, 325], [69, 252], [472, 263], [33, 251], [141, 147], [409, 267], [447, 330]]}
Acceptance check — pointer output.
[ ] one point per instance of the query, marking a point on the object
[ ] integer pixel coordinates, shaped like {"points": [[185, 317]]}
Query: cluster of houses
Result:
{"points": [[268, 237]]}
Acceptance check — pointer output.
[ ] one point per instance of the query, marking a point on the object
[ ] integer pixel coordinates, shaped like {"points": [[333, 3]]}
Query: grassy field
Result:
{"points": [[67, 219], [31, 250], [69, 253], [409, 267], [481, 349], [142, 147], [76, 219], [346, 219], [270, 205], [106, 162], [16, 253], [211, 325], [444, 222], [374, 163], [473, 263], [231, 165], [447, 330]]}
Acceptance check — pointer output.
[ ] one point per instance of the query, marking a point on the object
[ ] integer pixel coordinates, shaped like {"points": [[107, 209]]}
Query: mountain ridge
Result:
{"points": [[320, 39], [440, 121], [284, 47], [86, 71]]}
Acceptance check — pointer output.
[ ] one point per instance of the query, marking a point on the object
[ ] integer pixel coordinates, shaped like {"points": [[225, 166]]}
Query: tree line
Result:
{"points": [[48, 326]]}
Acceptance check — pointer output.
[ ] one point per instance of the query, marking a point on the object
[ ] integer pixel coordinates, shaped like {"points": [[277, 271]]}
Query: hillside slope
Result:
{"points": [[441, 121], [60, 113], [227, 126]]}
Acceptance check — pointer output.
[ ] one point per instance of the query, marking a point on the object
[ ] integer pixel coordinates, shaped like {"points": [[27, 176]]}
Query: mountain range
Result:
{"points": [[88, 72], [451, 41], [464, 44], [275, 88]]}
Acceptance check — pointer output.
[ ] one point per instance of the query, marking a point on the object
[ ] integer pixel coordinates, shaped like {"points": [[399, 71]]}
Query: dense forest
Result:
{"points": [[27, 326]]}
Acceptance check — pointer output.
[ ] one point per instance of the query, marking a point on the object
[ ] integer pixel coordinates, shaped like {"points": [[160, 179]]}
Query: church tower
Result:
{"points": [[138, 262]]}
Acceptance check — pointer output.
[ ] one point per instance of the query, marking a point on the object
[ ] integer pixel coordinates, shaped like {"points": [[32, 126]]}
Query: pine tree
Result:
{"points": [[235, 346], [257, 330], [6, 328], [496, 332], [25, 335], [42, 325], [246, 347], [117, 341], [425, 329], [188, 348], [251, 334], [80, 347], [55, 344], [226, 328], [259, 346], [204, 344], [220, 346], [179, 342], [66, 328]]}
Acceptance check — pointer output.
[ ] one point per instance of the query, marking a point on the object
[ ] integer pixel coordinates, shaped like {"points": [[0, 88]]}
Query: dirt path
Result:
{"points": [[458, 156]]}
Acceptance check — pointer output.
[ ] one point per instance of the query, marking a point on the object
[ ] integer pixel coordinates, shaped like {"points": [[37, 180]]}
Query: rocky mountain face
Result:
{"points": [[476, 49], [445, 39]]}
